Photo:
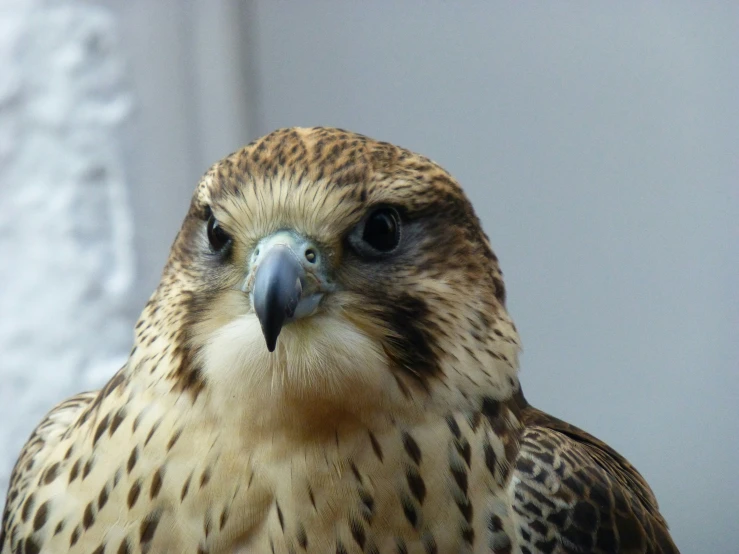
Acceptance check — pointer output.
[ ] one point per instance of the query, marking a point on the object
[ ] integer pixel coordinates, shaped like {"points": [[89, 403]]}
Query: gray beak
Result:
{"points": [[278, 288], [289, 282]]}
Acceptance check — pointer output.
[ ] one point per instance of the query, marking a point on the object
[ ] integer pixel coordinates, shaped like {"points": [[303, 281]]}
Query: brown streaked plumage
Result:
{"points": [[388, 418]]}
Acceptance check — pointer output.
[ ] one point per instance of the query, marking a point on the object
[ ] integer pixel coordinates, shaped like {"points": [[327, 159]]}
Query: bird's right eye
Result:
{"points": [[218, 238]]}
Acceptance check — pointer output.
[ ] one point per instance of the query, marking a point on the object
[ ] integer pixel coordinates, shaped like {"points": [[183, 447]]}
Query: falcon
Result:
{"points": [[327, 365]]}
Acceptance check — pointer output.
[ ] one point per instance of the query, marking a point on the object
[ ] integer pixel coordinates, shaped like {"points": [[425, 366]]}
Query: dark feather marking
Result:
{"points": [[429, 543], [89, 516], [28, 507], [149, 527], [411, 448], [151, 432], [101, 428], [132, 459], [75, 536], [280, 517], [416, 484], [87, 469], [358, 533], [205, 478], [409, 341], [156, 483], [302, 537], [173, 440], [51, 473], [376, 448], [133, 493], [42, 513], [117, 420], [124, 548], [409, 510], [460, 477], [368, 503], [103, 497], [31, 546]]}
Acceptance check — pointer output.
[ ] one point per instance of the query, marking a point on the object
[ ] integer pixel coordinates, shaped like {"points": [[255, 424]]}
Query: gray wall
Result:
{"points": [[600, 145]]}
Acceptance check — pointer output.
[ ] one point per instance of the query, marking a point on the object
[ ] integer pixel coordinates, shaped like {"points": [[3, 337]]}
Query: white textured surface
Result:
{"points": [[65, 225]]}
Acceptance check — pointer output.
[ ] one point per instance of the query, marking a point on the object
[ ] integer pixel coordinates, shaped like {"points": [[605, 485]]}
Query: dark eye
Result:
{"points": [[382, 230], [218, 238]]}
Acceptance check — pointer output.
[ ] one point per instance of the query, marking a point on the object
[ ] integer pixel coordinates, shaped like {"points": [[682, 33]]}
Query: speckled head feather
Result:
{"points": [[430, 315], [326, 366]]}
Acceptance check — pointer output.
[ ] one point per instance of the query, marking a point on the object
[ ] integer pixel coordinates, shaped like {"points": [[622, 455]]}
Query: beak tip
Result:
{"points": [[271, 344], [270, 333]]}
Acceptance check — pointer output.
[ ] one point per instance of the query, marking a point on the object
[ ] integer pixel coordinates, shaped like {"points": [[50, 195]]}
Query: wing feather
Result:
{"points": [[32, 460], [573, 493]]}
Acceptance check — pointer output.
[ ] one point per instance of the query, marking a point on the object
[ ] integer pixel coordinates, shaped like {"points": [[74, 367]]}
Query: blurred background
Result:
{"points": [[599, 144]]}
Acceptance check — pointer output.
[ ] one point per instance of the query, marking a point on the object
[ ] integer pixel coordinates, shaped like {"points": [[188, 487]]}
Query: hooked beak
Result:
{"points": [[288, 284]]}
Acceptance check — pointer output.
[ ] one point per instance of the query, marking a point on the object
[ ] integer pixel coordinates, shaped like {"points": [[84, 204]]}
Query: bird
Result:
{"points": [[327, 365]]}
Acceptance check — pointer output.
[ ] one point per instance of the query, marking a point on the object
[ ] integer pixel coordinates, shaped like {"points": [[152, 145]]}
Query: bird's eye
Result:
{"points": [[218, 238], [382, 230]]}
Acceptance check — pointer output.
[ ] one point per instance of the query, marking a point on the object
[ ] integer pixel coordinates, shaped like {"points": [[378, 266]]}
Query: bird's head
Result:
{"points": [[318, 267]]}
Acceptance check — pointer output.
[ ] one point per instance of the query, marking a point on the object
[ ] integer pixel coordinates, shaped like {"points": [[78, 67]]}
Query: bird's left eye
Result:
{"points": [[378, 235], [382, 230], [218, 238]]}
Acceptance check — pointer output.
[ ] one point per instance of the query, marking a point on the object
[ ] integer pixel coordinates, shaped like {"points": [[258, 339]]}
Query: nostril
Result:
{"points": [[310, 255]]}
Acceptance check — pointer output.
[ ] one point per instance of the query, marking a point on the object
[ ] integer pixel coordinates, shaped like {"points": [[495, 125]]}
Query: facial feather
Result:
{"points": [[427, 323], [306, 383]]}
